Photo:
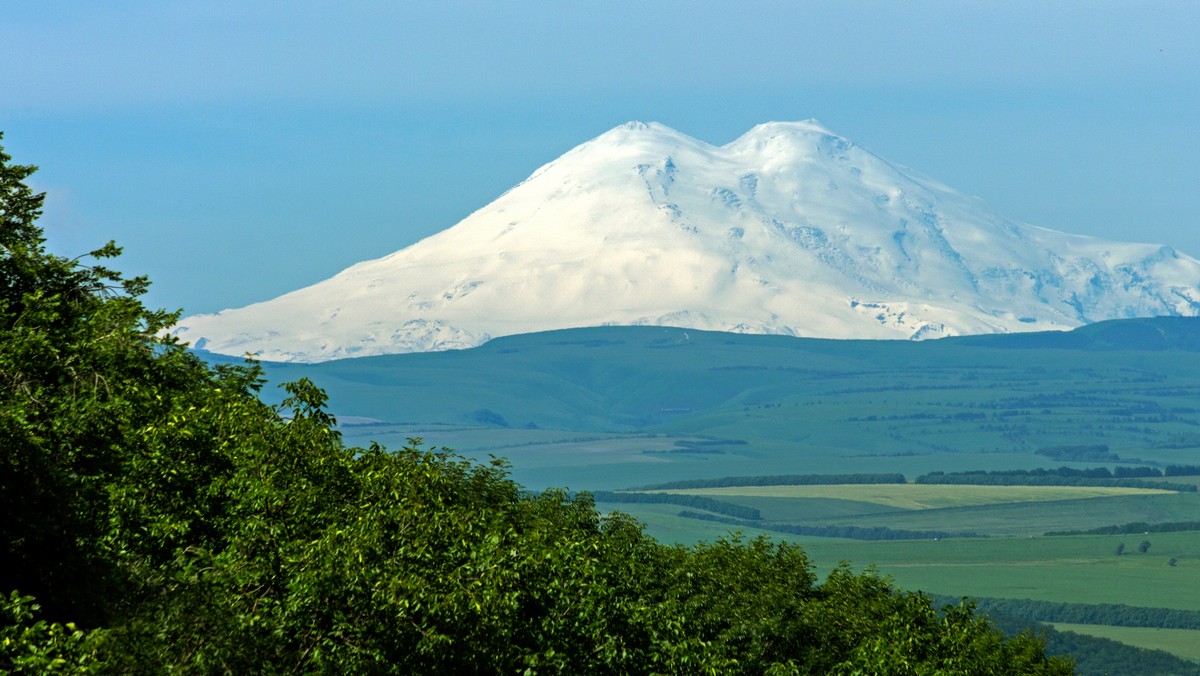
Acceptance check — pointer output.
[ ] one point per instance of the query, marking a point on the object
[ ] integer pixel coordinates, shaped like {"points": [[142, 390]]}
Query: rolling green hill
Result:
{"points": [[608, 407]]}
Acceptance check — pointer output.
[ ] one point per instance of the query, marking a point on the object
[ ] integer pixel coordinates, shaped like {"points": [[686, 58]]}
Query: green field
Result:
{"points": [[998, 511], [923, 496], [1071, 568], [1078, 569], [1183, 643], [1017, 561]]}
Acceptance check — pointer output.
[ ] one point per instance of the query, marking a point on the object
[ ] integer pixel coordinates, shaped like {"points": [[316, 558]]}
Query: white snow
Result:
{"points": [[789, 229]]}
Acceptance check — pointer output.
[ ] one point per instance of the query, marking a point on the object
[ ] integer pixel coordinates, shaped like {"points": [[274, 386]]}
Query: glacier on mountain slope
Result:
{"points": [[789, 229]]}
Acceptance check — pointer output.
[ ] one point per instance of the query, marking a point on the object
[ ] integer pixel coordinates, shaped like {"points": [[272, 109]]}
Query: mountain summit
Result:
{"points": [[790, 229]]}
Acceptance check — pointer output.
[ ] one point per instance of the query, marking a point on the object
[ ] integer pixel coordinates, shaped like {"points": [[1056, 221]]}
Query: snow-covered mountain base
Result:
{"points": [[790, 229]]}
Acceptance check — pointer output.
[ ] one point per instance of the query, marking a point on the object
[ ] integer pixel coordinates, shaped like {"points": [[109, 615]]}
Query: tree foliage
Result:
{"points": [[833, 531], [1093, 655], [1112, 614], [1133, 527], [779, 480], [162, 519]]}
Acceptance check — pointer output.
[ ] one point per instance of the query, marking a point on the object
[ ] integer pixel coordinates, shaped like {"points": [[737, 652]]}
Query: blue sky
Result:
{"points": [[242, 150]]}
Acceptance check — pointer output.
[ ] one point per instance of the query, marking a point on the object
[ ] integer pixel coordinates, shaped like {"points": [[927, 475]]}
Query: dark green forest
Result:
{"points": [[1097, 656], [694, 501], [161, 518], [1062, 476], [779, 480], [848, 532]]}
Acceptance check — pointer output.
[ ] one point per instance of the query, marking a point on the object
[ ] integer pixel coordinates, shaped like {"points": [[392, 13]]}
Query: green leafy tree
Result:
{"points": [[29, 645], [104, 462]]}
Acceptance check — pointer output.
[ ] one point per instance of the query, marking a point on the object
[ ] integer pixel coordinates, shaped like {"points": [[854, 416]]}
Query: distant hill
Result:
{"points": [[1148, 334], [642, 378]]}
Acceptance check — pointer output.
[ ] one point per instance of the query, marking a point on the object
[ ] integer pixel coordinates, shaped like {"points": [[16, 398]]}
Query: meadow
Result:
{"points": [[922, 496], [1015, 561], [1182, 642]]}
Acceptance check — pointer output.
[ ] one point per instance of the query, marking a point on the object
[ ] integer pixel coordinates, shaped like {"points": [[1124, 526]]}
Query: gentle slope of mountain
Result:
{"points": [[639, 379], [789, 229]]}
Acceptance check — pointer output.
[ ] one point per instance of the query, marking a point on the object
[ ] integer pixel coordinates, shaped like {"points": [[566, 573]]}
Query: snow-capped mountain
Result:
{"points": [[790, 229]]}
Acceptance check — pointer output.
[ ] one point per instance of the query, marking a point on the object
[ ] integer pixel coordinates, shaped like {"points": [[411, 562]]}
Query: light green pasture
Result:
{"points": [[664, 524], [1025, 519], [1078, 569], [1183, 643], [923, 496]]}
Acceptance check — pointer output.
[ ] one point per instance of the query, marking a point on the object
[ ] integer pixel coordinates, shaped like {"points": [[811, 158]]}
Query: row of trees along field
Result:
{"points": [[1097, 656], [1113, 614], [695, 501], [832, 531], [1134, 527], [160, 518], [778, 480]]}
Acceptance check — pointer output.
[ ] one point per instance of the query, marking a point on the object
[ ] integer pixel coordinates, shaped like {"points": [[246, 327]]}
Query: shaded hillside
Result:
{"points": [[1143, 334], [1020, 391]]}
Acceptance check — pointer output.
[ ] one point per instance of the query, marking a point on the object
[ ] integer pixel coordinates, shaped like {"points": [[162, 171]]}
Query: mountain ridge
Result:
{"points": [[788, 229]]}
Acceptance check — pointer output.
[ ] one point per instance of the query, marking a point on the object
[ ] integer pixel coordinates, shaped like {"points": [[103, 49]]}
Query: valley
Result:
{"points": [[618, 408], [1012, 559]]}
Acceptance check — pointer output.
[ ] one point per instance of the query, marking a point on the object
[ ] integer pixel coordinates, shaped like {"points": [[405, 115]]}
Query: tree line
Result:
{"points": [[778, 480], [834, 531], [694, 501], [1112, 614], [1134, 527], [1080, 453], [1095, 656]]}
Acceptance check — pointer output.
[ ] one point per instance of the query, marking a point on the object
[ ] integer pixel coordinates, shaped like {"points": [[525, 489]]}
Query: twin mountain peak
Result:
{"points": [[789, 229]]}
